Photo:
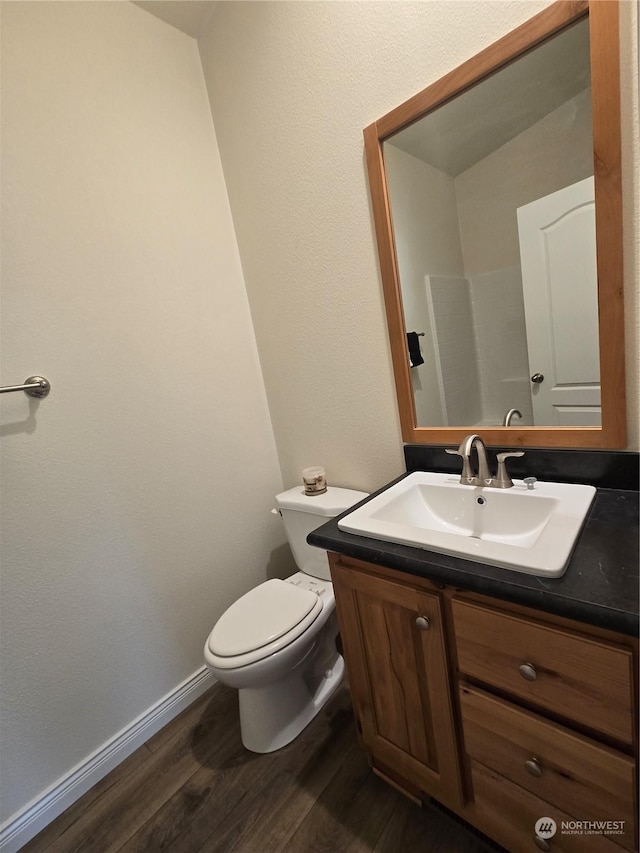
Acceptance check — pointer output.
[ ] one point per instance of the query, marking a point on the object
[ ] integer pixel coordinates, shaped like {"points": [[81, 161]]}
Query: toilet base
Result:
{"points": [[273, 715]]}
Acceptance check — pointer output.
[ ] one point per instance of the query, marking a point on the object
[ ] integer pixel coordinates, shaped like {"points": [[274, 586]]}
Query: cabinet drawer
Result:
{"points": [[576, 677], [508, 814], [582, 778]]}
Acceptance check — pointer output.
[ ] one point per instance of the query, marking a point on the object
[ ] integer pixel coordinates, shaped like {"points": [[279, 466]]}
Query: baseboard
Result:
{"points": [[27, 823]]}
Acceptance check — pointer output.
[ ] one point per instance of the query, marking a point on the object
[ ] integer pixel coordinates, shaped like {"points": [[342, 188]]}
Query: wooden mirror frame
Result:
{"points": [[605, 87]]}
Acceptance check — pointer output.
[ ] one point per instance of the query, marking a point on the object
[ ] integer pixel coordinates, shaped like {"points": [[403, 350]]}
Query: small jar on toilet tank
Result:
{"points": [[314, 480]]}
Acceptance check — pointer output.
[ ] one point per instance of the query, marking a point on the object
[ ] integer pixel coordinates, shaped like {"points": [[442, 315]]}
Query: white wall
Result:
{"points": [[292, 85], [136, 498]]}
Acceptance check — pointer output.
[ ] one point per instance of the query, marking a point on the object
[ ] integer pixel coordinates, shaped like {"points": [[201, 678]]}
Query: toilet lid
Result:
{"points": [[261, 616]]}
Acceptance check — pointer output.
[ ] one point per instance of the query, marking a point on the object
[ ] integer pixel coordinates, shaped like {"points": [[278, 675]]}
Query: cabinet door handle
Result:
{"points": [[540, 843], [423, 622], [528, 671], [532, 765]]}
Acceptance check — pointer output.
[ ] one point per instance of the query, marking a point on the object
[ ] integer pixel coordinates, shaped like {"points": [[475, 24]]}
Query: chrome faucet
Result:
{"points": [[502, 480], [512, 413]]}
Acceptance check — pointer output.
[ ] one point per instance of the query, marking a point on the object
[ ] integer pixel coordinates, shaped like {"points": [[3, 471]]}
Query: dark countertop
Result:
{"points": [[599, 587]]}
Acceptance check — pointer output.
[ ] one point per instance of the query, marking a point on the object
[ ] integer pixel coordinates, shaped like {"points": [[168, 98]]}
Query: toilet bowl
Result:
{"points": [[277, 643]]}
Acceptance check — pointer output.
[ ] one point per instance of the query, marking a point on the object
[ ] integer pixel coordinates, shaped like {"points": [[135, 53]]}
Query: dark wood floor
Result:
{"points": [[193, 787]]}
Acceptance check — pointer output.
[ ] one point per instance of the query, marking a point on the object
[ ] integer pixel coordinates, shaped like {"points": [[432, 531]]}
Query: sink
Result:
{"points": [[527, 530]]}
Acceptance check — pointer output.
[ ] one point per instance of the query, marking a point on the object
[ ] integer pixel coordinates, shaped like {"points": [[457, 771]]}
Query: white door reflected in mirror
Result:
{"points": [[558, 255]]}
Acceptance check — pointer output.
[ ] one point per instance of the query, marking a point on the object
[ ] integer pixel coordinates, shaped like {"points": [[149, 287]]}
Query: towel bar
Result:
{"points": [[34, 386]]}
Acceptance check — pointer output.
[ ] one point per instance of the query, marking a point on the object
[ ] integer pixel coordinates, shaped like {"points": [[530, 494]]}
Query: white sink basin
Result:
{"points": [[527, 530]]}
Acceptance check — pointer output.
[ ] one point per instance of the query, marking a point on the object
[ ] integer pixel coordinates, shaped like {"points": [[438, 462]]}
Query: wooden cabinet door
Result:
{"points": [[394, 643]]}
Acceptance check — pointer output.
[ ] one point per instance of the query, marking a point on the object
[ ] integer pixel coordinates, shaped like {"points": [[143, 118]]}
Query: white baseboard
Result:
{"points": [[29, 821]]}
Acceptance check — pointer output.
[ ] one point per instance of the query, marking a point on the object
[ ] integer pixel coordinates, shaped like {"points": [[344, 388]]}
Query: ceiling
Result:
{"points": [[469, 127], [190, 16]]}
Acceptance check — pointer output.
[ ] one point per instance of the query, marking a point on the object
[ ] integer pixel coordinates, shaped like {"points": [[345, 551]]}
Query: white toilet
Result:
{"points": [[277, 643]]}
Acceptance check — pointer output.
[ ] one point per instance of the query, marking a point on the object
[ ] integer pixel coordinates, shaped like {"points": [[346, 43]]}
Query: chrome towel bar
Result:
{"points": [[34, 386]]}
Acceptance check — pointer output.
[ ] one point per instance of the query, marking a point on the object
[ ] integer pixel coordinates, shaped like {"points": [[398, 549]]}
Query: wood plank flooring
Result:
{"points": [[193, 788]]}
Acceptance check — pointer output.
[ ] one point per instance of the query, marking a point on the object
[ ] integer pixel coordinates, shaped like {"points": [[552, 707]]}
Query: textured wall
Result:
{"points": [[292, 85], [136, 497]]}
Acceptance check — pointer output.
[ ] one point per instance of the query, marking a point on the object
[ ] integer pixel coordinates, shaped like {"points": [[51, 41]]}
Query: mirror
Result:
{"points": [[497, 203]]}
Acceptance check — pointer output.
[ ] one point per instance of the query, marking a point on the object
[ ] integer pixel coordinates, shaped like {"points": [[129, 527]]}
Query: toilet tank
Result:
{"points": [[303, 513]]}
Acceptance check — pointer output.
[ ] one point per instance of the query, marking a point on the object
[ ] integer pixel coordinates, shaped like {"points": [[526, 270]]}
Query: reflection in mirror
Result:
{"points": [[492, 202]]}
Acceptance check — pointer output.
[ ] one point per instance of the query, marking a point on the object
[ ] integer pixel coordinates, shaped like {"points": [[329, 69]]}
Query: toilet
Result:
{"points": [[277, 643]]}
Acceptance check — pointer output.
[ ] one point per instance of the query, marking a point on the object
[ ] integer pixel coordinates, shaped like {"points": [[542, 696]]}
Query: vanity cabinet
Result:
{"points": [[503, 714]]}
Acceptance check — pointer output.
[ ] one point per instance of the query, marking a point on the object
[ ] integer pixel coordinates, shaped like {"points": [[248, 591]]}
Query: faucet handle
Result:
{"points": [[502, 456], [467, 473], [502, 480]]}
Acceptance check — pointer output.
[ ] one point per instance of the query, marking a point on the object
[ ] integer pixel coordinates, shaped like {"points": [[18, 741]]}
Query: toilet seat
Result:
{"points": [[264, 620]]}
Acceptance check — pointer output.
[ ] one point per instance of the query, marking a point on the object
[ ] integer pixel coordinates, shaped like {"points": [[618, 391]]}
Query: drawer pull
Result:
{"points": [[423, 623], [528, 672], [541, 843], [532, 766]]}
